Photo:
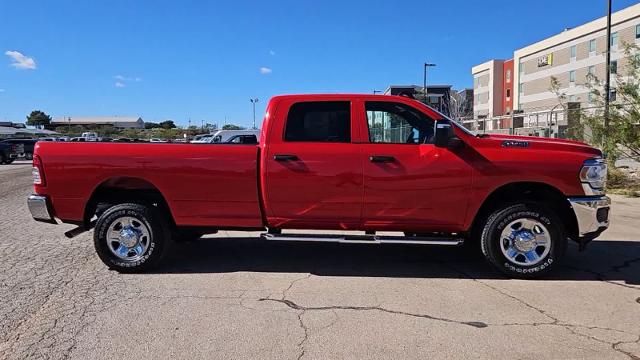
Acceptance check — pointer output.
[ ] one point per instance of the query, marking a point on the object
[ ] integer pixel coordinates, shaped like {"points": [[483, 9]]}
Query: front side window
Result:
{"points": [[319, 121], [395, 123]]}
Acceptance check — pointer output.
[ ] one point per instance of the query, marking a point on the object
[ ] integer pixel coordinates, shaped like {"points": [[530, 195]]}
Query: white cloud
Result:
{"points": [[265, 70], [271, 52], [20, 61], [120, 84], [127, 78]]}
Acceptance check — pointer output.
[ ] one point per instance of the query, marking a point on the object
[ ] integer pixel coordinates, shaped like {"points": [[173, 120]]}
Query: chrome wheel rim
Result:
{"points": [[525, 242], [128, 238]]}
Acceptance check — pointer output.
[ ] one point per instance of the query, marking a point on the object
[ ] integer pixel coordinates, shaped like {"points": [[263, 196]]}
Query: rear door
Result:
{"points": [[313, 170], [410, 184]]}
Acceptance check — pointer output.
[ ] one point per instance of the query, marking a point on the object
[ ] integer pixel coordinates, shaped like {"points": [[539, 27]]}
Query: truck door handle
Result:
{"points": [[381, 159], [284, 157]]}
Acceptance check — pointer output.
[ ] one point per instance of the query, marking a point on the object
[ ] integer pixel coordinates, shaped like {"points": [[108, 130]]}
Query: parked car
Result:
{"points": [[201, 139], [368, 163], [78, 139], [225, 136], [155, 140], [28, 146], [9, 152]]}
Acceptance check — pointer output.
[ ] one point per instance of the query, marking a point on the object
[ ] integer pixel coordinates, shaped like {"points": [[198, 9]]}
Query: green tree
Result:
{"points": [[167, 124], [232, 127], [38, 119], [151, 125], [622, 136]]}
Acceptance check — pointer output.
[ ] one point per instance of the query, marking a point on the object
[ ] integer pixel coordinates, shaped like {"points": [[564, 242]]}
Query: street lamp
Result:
{"points": [[253, 102], [424, 83]]}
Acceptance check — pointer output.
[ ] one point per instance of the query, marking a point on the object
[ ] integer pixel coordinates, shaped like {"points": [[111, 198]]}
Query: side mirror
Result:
{"points": [[444, 133]]}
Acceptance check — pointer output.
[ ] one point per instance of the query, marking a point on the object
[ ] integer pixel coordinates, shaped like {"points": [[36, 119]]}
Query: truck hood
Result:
{"points": [[538, 143]]}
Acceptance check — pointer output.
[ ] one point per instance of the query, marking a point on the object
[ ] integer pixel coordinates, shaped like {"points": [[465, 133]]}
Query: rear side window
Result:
{"points": [[322, 121]]}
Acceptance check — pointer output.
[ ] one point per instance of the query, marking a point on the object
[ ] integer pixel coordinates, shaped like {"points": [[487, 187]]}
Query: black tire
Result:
{"points": [[9, 161], [492, 243], [159, 238], [28, 156]]}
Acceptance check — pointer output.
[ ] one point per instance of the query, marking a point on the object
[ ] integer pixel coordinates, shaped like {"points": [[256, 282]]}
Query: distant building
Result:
{"points": [[438, 96], [12, 125], [118, 122], [571, 56]]}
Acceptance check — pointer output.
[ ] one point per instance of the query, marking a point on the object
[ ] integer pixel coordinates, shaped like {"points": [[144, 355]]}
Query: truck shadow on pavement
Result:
{"points": [[609, 260]]}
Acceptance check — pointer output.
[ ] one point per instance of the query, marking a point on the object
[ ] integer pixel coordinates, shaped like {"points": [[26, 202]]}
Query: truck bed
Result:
{"points": [[204, 185]]}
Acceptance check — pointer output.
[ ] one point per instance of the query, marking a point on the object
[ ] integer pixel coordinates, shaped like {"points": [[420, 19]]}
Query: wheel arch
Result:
{"points": [[532, 192], [124, 189]]}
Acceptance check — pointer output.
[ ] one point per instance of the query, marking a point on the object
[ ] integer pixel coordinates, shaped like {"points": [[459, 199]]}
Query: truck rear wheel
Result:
{"points": [[131, 237], [523, 240]]}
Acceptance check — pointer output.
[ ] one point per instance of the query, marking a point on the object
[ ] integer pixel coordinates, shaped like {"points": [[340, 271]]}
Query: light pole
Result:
{"points": [[253, 102], [607, 84], [424, 82]]}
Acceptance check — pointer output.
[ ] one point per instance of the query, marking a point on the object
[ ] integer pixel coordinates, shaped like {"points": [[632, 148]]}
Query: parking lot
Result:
{"points": [[235, 296]]}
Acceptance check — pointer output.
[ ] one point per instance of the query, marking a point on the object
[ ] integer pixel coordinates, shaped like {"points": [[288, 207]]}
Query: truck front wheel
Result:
{"points": [[131, 237], [523, 240]]}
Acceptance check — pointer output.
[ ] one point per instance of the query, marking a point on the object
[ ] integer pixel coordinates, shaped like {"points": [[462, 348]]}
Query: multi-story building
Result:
{"points": [[569, 57], [487, 89], [438, 96]]}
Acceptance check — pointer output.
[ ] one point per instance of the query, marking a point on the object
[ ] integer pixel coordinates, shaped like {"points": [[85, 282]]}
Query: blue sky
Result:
{"points": [[203, 59]]}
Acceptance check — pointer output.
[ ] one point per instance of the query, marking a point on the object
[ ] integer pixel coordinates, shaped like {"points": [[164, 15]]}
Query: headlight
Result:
{"points": [[594, 174]]}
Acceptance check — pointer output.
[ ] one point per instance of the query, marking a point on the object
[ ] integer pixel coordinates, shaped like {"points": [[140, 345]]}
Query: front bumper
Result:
{"points": [[40, 208], [592, 214]]}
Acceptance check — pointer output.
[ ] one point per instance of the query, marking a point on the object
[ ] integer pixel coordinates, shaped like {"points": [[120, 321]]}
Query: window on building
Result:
{"points": [[591, 70], [573, 52], [612, 95], [590, 97], [396, 123], [592, 46], [613, 68], [572, 76], [572, 98], [508, 94], [321, 121], [614, 39], [637, 31], [509, 75]]}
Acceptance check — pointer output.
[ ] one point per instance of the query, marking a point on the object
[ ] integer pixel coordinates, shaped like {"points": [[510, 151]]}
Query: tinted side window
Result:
{"points": [[322, 121], [396, 123]]}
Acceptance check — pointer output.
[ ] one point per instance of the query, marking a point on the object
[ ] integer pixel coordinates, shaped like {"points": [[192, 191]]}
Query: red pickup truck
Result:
{"points": [[363, 164]]}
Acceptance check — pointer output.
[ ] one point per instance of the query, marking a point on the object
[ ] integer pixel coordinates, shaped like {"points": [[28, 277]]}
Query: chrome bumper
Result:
{"points": [[592, 214], [40, 208]]}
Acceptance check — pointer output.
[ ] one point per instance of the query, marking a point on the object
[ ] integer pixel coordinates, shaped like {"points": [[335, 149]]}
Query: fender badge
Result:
{"points": [[515, 143]]}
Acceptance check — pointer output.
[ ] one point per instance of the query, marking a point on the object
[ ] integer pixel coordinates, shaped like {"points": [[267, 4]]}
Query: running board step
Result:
{"points": [[365, 239]]}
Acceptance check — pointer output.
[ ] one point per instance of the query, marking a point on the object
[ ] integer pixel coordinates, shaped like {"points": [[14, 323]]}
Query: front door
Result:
{"points": [[410, 184], [314, 171]]}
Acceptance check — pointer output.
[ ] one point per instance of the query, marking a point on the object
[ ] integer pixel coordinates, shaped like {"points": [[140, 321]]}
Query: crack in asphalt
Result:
{"points": [[295, 306], [556, 322]]}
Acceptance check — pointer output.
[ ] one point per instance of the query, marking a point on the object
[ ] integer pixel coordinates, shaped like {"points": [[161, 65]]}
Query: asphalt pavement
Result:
{"points": [[235, 296]]}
